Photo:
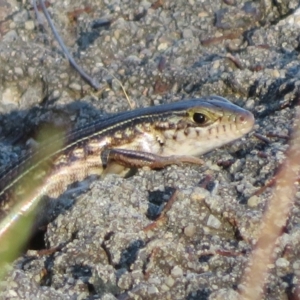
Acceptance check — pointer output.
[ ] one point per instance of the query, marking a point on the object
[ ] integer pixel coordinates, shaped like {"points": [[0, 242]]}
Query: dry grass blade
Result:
{"points": [[274, 220], [16, 226]]}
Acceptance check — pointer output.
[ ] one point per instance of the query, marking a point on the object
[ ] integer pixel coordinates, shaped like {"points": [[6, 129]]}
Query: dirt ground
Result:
{"points": [[161, 51]]}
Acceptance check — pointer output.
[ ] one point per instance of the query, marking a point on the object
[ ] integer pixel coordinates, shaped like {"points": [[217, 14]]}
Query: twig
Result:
{"points": [[38, 16], [93, 82], [274, 220]]}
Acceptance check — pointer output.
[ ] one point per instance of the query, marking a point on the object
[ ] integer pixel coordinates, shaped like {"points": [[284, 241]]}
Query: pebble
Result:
{"points": [[253, 201], [10, 36], [169, 281], [10, 96], [29, 25], [153, 290], [177, 272], [187, 34], [190, 230], [75, 86], [282, 263], [21, 17], [213, 222], [18, 71]]}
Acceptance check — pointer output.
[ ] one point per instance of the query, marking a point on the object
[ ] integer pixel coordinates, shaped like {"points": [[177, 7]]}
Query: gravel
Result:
{"points": [[108, 244]]}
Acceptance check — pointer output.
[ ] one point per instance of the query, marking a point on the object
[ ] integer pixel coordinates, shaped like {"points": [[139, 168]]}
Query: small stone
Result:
{"points": [[12, 25], [296, 267], [63, 76], [187, 33], [117, 34], [170, 281], [19, 71], [155, 280], [203, 14], [31, 71], [152, 290], [105, 297], [253, 201], [275, 73], [10, 36], [162, 46], [190, 230], [236, 166], [282, 263], [21, 17], [29, 25], [75, 86], [10, 96], [133, 59], [225, 294], [199, 194], [125, 281], [213, 222], [12, 293], [137, 275], [216, 65], [132, 79], [297, 20], [240, 188], [177, 272], [178, 61]]}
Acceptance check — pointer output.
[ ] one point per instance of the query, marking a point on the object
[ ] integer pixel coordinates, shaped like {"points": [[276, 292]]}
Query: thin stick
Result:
{"points": [[38, 16], [93, 82], [274, 220]]}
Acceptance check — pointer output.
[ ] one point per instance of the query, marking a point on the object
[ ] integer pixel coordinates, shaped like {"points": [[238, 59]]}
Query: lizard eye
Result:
{"points": [[199, 118]]}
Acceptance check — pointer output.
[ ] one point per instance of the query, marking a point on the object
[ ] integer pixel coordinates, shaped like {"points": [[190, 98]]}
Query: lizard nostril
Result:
{"points": [[245, 121], [242, 119], [246, 118]]}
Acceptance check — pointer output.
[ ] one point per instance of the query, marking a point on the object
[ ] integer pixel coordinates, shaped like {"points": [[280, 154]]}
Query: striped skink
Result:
{"points": [[155, 137]]}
